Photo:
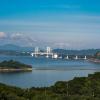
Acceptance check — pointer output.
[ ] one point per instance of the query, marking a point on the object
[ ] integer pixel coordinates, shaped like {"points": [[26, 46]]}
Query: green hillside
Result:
{"points": [[84, 88]]}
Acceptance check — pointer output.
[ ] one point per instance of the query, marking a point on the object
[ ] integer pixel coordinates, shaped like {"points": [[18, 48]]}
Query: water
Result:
{"points": [[46, 71]]}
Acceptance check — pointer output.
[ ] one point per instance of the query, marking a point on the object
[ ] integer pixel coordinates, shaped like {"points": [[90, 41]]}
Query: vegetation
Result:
{"points": [[13, 65], [84, 88], [97, 55], [88, 52]]}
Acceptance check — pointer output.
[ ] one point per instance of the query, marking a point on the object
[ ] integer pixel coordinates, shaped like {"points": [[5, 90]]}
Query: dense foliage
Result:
{"points": [[84, 88], [13, 64]]}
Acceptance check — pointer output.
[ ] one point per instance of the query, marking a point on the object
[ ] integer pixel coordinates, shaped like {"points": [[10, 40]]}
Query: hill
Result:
{"points": [[77, 52], [84, 88], [11, 47]]}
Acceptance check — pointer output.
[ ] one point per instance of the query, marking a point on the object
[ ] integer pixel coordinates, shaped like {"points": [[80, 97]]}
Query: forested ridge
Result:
{"points": [[80, 88]]}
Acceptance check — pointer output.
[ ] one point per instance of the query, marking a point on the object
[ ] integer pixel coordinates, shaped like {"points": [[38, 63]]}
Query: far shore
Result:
{"points": [[14, 69], [64, 69], [94, 60]]}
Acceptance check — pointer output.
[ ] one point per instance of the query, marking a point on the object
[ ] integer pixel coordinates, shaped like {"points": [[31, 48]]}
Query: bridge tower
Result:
{"points": [[36, 51], [48, 51]]}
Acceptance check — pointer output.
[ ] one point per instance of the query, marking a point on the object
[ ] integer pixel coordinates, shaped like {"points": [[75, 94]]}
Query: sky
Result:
{"points": [[69, 24]]}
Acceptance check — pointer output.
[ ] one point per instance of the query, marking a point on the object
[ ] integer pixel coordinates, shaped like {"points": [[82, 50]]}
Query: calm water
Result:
{"points": [[46, 71]]}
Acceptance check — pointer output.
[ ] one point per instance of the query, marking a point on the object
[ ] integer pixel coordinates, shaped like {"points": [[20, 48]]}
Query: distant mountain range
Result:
{"points": [[15, 48], [77, 52], [11, 47]]}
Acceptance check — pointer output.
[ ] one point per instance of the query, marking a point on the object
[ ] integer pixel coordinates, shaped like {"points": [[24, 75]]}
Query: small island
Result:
{"points": [[11, 65]]}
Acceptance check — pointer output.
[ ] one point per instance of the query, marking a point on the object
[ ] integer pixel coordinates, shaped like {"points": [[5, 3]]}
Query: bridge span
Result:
{"points": [[48, 53]]}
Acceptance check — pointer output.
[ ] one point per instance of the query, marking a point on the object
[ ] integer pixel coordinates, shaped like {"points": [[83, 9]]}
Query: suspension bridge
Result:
{"points": [[49, 53]]}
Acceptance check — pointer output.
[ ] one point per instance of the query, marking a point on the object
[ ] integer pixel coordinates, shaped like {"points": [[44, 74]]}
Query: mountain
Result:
{"points": [[76, 52], [15, 48], [11, 47]]}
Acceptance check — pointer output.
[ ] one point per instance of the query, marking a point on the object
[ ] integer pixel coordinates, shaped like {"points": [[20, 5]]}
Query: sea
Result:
{"points": [[46, 71]]}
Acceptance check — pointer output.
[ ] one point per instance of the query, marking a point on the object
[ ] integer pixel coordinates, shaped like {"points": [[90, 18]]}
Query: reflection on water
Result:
{"points": [[46, 71]]}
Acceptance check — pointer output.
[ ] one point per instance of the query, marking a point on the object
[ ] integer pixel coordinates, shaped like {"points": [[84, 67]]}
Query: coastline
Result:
{"points": [[14, 70], [94, 60], [66, 69]]}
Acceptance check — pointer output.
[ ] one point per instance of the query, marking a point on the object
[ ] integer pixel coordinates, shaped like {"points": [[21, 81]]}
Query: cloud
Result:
{"points": [[16, 36], [23, 39], [62, 45], [3, 35]]}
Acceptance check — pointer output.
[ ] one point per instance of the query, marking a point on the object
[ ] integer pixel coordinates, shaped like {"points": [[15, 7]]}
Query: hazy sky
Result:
{"points": [[71, 24]]}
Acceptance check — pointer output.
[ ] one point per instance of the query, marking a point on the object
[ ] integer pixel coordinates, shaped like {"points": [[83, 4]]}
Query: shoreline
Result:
{"points": [[14, 70], [63, 69], [94, 60]]}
